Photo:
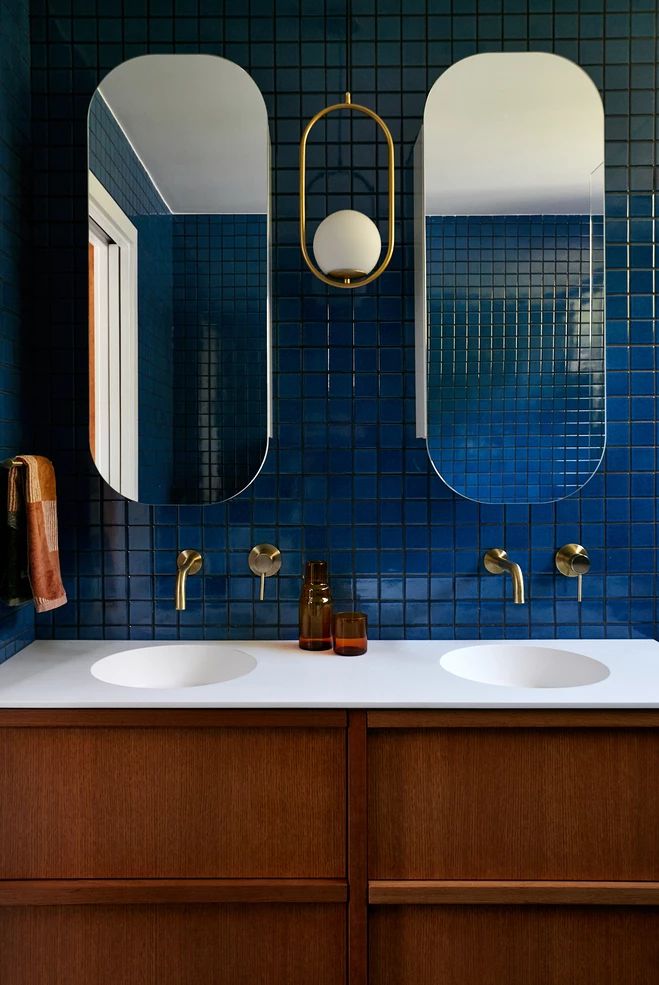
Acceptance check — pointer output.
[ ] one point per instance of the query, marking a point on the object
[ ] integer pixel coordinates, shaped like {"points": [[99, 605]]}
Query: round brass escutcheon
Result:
{"points": [[492, 558], [572, 560], [264, 561], [190, 560]]}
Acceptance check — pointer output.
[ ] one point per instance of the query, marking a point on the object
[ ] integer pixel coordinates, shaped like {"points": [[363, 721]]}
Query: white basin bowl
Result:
{"points": [[174, 665], [523, 666]]}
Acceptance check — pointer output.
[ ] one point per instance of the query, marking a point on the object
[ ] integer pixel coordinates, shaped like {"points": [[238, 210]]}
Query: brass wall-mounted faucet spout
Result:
{"points": [[496, 562], [187, 563]]}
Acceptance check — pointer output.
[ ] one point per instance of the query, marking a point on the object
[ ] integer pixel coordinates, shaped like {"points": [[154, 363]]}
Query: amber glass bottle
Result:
{"points": [[316, 608]]}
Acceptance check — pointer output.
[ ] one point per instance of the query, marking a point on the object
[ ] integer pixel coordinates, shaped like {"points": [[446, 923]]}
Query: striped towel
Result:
{"points": [[32, 507]]}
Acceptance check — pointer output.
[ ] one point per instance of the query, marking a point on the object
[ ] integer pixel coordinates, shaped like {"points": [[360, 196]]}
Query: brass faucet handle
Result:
{"points": [[189, 561], [572, 560], [264, 561]]}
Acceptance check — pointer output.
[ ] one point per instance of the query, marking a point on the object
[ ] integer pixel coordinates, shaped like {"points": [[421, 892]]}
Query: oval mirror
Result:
{"points": [[179, 279], [509, 238]]}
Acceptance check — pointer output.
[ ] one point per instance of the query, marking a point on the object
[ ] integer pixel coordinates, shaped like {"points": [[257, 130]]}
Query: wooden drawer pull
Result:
{"points": [[58, 892], [514, 892]]}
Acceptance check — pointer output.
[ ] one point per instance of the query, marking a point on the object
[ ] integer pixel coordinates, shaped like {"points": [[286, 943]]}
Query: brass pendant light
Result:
{"points": [[347, 244]]}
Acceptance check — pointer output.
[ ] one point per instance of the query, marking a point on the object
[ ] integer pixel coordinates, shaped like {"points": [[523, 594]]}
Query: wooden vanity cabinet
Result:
{"points": [[174, 795], [173, 847], [569, 800], [173, 944], [363, 848], [513, 848], [514, 945]]}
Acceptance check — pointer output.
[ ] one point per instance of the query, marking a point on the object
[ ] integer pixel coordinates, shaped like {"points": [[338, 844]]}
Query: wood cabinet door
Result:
{"points": [[173, 945], [514, 945], [514, 803], [176, 801]]}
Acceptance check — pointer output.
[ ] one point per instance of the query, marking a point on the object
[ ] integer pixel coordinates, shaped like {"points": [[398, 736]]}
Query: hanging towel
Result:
{"points": [[32, 532], [14, 582]]}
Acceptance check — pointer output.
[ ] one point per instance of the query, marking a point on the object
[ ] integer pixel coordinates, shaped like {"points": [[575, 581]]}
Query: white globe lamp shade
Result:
{"points": [[347, 245]]}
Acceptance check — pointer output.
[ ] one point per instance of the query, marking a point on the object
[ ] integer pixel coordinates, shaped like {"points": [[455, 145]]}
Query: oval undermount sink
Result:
{"points": [[523, 666], [174, 665]]}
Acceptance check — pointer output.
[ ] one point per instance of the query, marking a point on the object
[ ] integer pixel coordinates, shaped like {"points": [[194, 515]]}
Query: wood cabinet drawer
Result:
{"points": [[139, 802], [514, 803], [514, 945], [173, 945]]}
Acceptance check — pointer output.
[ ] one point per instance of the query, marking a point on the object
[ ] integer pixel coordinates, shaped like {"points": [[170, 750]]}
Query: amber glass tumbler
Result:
{"points": [[350, 637]]}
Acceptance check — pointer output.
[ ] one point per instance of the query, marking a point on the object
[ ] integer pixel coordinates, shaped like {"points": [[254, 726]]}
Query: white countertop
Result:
{"points": [[393, 674]]}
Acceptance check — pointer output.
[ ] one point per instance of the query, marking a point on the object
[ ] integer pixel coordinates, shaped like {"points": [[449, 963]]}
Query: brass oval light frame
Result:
{"points": [[346, 282]]}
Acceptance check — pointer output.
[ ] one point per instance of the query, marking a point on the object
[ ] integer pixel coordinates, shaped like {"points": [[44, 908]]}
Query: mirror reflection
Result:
{"points": [[178, 279], [510, 278]]}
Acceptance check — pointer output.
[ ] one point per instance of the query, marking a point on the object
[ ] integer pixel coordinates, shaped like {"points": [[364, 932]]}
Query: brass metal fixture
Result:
{"points": [[496, 562], [264, 561], [572, 561], [187, 563], [347, 278]]}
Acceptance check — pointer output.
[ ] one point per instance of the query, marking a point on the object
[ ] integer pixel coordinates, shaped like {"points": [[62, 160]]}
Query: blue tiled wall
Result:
{"points": [[117, 166], [220, 352], [16, 626], [516, 401], [345, 477]]}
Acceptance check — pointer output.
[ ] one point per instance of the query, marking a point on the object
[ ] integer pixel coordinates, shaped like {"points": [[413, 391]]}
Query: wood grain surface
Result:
{"points": [[513, 718], [56, 892], [531, 804], [514, 945], [357, 854], [174, 802], [253, 944], [518, 893], [173, 717]]}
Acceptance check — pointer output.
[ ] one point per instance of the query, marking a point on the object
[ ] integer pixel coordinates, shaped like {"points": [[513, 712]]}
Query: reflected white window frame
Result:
{"points": [[116, 400]]}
